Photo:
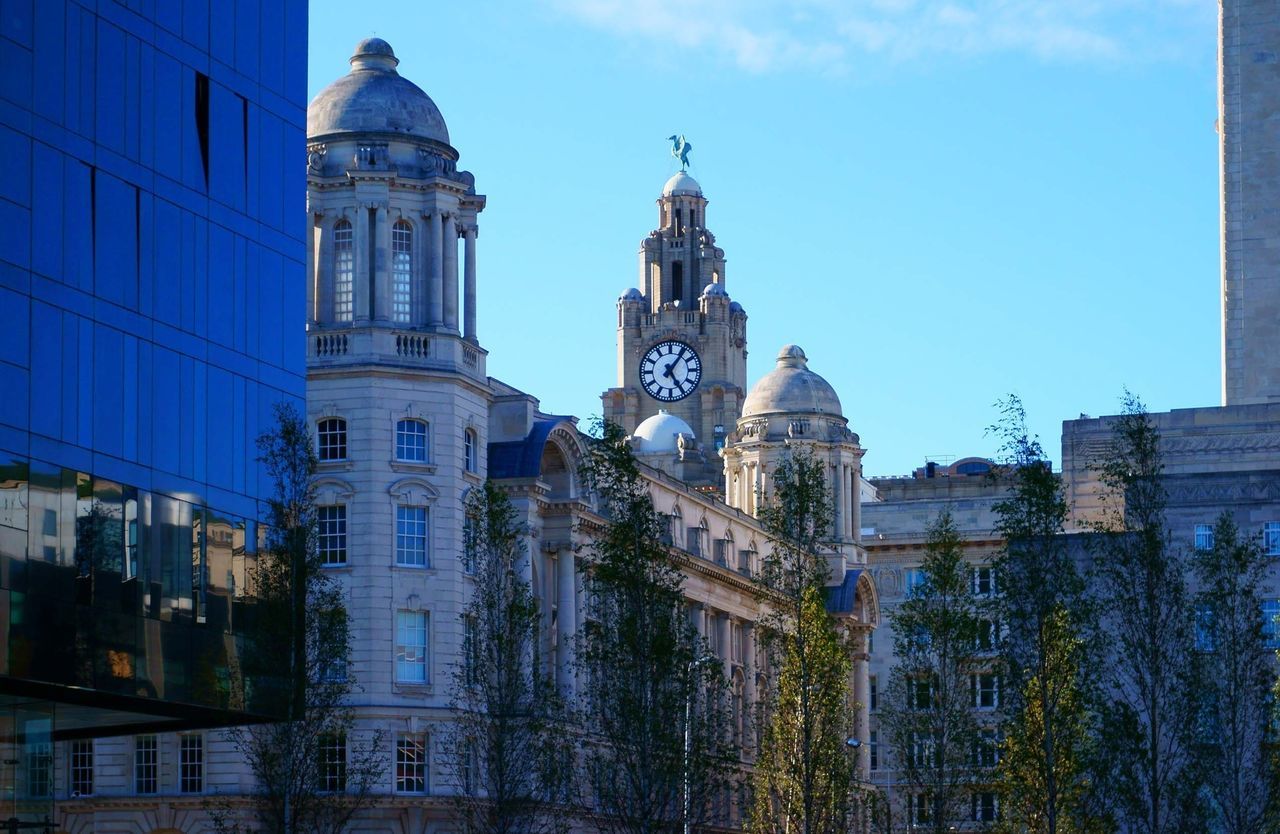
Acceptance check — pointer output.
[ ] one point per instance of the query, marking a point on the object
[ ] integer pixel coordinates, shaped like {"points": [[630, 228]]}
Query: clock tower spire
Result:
{"points": [[682, 342]]}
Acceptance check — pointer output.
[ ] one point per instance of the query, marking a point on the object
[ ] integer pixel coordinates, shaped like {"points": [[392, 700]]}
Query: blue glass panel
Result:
{"points": [[15, 328], [15, 166], [116, 239], [46, 364], [295, 50], [47, 212], [16, 21], [271, 50], [247, 40], [220, 425], [110, 72], [15, 383], [108, 391], [77, 268], [165, 402], [221, 291], [15, 81], [15, 233], [270, 297], [227, 147], [168, 261], [222, 37], [167, 119], [129, 399], [132, 101], [84, 380], [195, 23], [267, 166], [50, 46]]}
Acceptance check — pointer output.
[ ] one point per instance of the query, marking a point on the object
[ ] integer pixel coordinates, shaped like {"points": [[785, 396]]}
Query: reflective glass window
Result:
{"points": [[401, 271], [411, 536], [411, 441], [411, 646], [343, 270], [411, 763]]}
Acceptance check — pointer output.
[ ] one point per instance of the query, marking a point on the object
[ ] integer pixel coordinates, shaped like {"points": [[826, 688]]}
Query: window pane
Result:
{"points": [[401, 272], [411, 763], [411, 536], [332, 534], [332, 436], [411, 646], [411, 441], [343, 270]]}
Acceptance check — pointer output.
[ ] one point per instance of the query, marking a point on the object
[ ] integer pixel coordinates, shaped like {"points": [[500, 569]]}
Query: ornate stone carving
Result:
{"points": [[315, 157]]}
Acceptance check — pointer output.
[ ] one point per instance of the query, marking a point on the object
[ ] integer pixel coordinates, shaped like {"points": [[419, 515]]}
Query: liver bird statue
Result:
{"points": [[680, 150]]}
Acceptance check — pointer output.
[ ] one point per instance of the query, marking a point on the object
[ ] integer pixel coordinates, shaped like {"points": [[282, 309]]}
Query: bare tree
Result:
{"points": [[507, 748]]}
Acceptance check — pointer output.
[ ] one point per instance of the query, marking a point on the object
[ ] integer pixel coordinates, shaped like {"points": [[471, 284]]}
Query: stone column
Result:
{"points": [[382, 266], [469, 287], [862, 694], [726, 645], [837, 500], [322, 276], [857, 502], [437, 268], [449, 241], [567, 612], [749, 684], [360, 292], [700, 619], [313, 265]]}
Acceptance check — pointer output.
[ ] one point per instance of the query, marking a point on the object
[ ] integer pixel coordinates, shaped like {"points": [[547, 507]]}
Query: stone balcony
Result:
{"points": [[376, 345]]}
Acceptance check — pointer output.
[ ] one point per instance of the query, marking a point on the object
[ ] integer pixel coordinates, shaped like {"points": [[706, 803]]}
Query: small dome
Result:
{"points": [[374, 98], [682, 185], [658, 433], [735, 307], [791, 388], [715, 288], [632, 294]]}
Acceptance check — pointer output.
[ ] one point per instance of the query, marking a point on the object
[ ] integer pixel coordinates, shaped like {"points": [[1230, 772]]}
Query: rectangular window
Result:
{"points": [[987, 638], [343, 270], [746, 561], [875, 695], [331, 538], [915, 580], [1204, 629], [920, 809], [696, 539], [984, 807], [1270, 634], [985, 690], [146, 765], [191, 764], [331, 435], [984, 582], [333, 763], [874, 751], [411, 646], [986, 751], [411, 441], [411, 537], [1204, 537], [411, 763], [1271, 538], [40, 770], [722, 549], [81, 767], [919, 693]]}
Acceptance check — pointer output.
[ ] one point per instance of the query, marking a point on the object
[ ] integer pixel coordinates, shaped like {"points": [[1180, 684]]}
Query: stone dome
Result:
{"points": [[658, 433], [682, 185], [791, 388], [632, 294], [374, 98], [715, 288]]}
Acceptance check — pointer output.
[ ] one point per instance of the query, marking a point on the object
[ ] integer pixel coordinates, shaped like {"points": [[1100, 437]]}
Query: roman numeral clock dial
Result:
{"points": [[670, 371]]}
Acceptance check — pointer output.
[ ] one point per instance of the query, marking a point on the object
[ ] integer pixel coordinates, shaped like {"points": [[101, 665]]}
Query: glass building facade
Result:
{"points": [[152, 252]]}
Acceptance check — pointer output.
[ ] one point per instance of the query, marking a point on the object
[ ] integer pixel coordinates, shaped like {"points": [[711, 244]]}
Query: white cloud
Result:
{"points": [[767, 35]]}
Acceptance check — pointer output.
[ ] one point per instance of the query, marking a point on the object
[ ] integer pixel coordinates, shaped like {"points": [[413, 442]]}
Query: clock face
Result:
{"points": [[670, 371]]}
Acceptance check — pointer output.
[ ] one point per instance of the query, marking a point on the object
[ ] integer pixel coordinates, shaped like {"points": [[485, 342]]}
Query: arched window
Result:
{"points": [[675, 529], [401, 271], [411, 441], [469, 450], [331, 437], [343, 270], [677, 281]]}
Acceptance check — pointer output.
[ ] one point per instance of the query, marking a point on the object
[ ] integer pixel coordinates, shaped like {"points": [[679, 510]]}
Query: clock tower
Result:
{"points": [[682, 342]]}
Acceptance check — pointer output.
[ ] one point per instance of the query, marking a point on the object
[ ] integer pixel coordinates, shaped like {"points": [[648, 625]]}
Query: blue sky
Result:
{"points": [[941, 201]]}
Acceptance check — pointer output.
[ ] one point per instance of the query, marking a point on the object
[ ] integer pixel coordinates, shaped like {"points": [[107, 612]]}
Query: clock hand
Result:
{"points": [[670, 367]]}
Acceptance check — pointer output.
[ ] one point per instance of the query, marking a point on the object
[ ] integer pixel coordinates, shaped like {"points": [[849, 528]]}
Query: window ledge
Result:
{"points": [[413, 689], [413, 466], [423, 569], [473, 477], [344, 465]]}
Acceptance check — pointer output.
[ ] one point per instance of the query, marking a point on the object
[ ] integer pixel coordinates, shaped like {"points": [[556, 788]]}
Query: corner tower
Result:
{"points": [[682, 343]]}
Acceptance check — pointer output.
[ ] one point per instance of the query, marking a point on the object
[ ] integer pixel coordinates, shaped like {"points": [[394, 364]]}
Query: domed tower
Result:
{"points": [[397, 394], [682, 344], [793, 407], [389, 207]]}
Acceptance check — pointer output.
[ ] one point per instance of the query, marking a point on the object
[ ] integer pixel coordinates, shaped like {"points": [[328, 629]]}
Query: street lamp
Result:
{"points": [[688, 718]]}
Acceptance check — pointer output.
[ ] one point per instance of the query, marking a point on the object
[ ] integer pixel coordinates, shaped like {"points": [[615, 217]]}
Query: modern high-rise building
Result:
{"points": [[1249, 157], [152, 249]]}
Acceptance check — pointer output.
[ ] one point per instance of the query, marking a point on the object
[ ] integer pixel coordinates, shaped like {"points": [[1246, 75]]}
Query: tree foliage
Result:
{"points": [[1043, 775], [928, 716], [803, 777], [657, 747], [1233, 682], [312, 772], [506, 749], [1140, 581]]}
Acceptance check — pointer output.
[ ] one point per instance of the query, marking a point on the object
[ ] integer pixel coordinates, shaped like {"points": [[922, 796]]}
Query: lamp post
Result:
{"points": [[688, 718]]}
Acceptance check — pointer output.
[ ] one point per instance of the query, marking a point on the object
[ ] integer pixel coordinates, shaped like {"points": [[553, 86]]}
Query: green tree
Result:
{"points": [[804, 776], [507, 750], [1046, 750], [1146, 672], [1041, 595], [653, 707], [1233, 679], [311, 771], [928, 715]]}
